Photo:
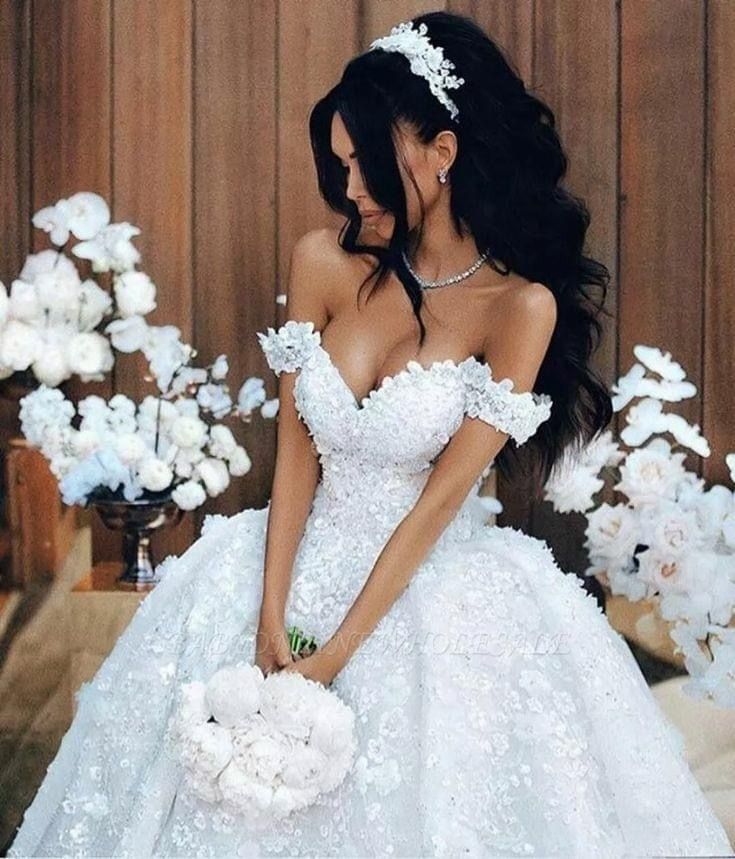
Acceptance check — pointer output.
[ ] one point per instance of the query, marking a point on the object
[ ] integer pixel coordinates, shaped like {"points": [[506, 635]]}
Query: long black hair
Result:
{"points": [[504, 188]]}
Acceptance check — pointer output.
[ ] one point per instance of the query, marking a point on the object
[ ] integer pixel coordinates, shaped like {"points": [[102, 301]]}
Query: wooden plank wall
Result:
{"points": [[191, 118]]}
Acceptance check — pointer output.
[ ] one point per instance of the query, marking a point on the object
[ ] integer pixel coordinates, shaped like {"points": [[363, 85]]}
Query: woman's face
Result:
{"points": [[423, 161]]}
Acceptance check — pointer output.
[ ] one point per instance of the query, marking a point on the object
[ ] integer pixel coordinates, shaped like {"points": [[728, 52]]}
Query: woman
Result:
{"points": [[498, 713]]}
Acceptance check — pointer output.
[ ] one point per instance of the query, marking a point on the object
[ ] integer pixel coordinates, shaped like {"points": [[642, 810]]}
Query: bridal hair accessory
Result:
{"points": [[427, 60]]}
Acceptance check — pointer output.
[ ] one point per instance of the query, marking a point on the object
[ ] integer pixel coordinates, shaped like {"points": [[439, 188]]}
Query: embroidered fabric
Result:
{"points": [[498, 713]]}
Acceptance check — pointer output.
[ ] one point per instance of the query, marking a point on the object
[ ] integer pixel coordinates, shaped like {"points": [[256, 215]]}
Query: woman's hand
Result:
{"points": [[272, 650], [317, 666]]}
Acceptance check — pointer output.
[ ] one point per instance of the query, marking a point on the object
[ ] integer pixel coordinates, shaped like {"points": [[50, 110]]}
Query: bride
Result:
{"points": [[497, 712]]}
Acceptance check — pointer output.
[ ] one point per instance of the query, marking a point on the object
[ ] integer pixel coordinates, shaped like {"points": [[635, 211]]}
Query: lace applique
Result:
{"points": [[290, 346], [519, 415]]}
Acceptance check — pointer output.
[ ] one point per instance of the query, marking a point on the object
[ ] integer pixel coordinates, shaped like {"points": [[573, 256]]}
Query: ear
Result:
{"points": [[445, 146]]}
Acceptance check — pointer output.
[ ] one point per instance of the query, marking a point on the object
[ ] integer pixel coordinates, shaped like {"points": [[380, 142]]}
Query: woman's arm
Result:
{"points": [[516, 352], [296, 471]]}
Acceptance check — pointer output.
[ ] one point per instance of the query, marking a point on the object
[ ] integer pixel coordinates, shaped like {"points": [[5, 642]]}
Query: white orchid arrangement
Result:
{"points": [[50, 316], [169, 443], [672, 539], [262, 746]]}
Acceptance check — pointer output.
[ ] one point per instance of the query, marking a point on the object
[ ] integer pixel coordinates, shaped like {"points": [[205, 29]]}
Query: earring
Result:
{"points": [[442, 174]]}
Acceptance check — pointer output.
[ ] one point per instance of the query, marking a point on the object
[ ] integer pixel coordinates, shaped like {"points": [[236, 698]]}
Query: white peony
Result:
{"points": [[208, 747], [286, 705], [189, 495], [304, 768], [135, 294], [154, 474], [244, 792], [233, 693], [333, 728]]}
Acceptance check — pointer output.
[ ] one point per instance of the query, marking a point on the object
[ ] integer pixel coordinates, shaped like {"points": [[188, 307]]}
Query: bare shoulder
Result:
{"points": [[321, 260], [525, 302]]}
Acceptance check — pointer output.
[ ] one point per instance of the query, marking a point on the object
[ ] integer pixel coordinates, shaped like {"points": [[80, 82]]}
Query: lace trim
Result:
{"points": [[494, 402], [290, 346]]}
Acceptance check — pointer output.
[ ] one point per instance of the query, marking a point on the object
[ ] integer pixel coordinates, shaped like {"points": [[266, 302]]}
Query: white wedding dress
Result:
{"points": [[498, 713]]}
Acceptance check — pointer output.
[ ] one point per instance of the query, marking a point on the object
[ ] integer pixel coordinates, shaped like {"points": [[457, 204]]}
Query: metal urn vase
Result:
{"points": [[137, 520]]}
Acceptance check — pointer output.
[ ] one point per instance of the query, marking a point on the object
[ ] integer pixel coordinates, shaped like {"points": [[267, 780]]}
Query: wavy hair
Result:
{"points": [[505, 189]]}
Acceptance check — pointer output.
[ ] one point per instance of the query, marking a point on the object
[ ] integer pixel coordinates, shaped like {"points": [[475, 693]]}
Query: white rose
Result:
{"points": [[651, 473], [135, 293], [154, 474], [189, 495], [612, 532], [89, 354], [188, 432], [240, 463], [214, 475], [671, 531]]}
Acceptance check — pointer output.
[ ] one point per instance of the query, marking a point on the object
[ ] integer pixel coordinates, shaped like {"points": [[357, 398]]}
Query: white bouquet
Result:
{"points": [[671, 538], [263, 747]]}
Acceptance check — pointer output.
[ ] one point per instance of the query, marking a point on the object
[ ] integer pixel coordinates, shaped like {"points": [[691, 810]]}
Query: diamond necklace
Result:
{"points": [[455, 278]]}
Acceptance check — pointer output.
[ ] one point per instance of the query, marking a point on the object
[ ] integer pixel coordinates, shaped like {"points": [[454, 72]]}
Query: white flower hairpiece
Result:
{"points": [[427, 60]]}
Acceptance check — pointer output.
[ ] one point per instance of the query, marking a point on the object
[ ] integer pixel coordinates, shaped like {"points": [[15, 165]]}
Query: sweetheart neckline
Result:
{"points": [[411, 366]]}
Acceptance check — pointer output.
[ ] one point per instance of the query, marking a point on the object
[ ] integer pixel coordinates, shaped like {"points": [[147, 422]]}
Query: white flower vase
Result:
{"points": [[137, 520]]}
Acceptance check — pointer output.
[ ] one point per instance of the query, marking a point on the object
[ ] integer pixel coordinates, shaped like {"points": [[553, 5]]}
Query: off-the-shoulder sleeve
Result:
{"points": [[290, 346], [496, 403]]}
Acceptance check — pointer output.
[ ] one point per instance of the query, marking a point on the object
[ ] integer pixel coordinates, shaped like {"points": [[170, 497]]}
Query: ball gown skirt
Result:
{"points": [[498, 714]]}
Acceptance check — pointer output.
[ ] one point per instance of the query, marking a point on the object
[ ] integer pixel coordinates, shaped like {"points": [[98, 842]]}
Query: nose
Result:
{"points": [[355, 185]]}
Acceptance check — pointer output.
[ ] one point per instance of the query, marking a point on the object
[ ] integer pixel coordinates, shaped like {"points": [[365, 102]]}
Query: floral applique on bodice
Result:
{"points": [[377, 453]]}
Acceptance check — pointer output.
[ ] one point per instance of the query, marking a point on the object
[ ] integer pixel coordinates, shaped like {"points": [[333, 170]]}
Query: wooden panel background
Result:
{"points": [[191, 119]]}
